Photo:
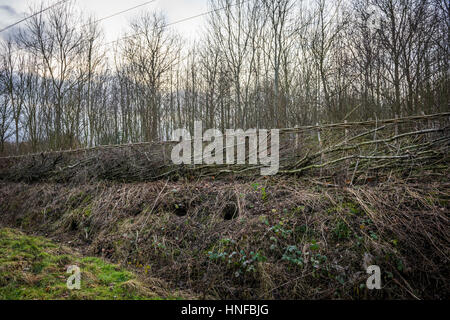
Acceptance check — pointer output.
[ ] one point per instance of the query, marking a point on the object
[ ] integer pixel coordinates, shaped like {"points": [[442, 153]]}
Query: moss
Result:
{"points": [[341, 230], [80, 199], [87, 211], [35, 268], [349, 208], [26, 221], [303, 231], [353, 208]]}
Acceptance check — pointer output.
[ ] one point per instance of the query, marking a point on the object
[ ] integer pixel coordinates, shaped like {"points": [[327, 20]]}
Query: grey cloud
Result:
{"points": [[9, 34], [8, 9], [10, 14]]}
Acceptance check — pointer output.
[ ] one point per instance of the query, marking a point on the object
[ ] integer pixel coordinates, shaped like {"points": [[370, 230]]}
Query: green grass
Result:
{"points": [[35, 268]]}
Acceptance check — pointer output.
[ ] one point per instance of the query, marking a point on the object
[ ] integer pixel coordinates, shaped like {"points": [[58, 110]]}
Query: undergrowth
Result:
{"points": [[273, 238]]}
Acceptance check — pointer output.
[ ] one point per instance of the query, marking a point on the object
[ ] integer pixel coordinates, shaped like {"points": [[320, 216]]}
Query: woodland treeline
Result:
{"points": [[257, 64]]}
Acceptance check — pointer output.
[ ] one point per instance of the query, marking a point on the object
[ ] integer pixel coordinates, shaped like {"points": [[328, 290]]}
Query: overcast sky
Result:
{"points": [[14, 10]]}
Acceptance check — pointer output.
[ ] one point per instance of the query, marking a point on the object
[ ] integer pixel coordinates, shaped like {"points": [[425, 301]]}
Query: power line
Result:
{"points": [[33, 15], [179, 21], [104, 18], [166, 25], [118, 13]]}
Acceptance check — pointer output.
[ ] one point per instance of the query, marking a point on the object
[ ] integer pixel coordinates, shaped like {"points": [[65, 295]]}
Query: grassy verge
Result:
{"points": [[35, 268]]}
